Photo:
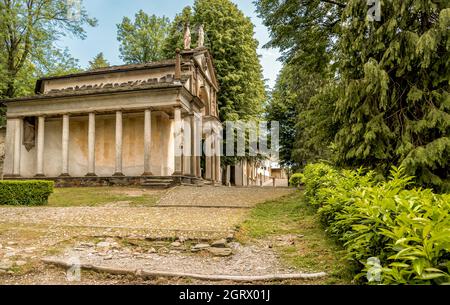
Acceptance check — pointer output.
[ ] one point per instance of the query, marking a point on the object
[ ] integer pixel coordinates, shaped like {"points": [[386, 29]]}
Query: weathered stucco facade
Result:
{"points": [[145, 120]]}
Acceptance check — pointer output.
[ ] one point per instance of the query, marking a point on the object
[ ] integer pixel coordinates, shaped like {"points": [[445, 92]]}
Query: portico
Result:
{"points": [[125, 123]]}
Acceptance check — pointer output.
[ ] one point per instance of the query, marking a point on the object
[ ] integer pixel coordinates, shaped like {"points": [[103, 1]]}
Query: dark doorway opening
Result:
{"points": [[233, 175], [203, 160]]}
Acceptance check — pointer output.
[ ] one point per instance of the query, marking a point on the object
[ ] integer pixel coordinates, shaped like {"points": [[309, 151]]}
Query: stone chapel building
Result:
{"points": [[131, 124]]}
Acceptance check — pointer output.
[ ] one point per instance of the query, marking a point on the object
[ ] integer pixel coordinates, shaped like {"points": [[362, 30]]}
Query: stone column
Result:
{"points": [[17, 147], [199, 148], [119, 137], [65, 146], [91, 145], [247, 170], [178, 139], [213, 157], [147, 143], [208, 156], [187, 141], [40, 147], [193, 146], [217, 159]]}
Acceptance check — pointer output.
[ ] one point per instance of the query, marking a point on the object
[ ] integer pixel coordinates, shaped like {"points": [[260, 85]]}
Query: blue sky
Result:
{"points": [[110, 12]]}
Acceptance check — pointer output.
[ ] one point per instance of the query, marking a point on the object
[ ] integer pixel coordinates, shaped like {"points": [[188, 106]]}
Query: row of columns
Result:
{"points": [[191, 156], [91, 145], [194, 170]]}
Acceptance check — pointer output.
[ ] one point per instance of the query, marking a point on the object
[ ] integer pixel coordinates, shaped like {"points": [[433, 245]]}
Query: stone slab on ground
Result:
{"points": [[246, 260]]}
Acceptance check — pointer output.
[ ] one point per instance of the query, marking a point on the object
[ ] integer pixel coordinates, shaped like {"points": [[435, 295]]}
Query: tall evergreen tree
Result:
{"points": [[395, 103], [306, 33], [98, 61], [283, 107], [142, 40]]}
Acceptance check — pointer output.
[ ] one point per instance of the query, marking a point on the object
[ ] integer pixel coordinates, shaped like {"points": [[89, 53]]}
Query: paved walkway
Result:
{"points": [[29, 233], [278, 182], [181, 209], [225, 197]]}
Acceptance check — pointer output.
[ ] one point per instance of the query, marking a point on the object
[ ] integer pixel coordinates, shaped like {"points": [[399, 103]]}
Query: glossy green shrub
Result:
{"points": [[408, 230], [295, 179], [31, 192]]}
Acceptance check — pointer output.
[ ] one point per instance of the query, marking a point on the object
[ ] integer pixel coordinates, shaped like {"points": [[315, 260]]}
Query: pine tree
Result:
{"points": [[395, 103], [98, 61]]}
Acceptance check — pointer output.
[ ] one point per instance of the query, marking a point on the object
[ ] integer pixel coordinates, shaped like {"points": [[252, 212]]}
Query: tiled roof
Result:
{"points": [[119, 68]]}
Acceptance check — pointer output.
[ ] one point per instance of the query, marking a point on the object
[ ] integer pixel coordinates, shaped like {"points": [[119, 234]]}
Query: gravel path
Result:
{"points": [[128, 218], [246, 260], [210, 196], [27, 234]]}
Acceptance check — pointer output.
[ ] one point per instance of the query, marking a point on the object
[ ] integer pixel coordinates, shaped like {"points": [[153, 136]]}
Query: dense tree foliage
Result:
{"points": [[395, 103], [229, 37], [142, 40], [176, 32], [99, 61], [382, 87], [283, 108], [305, 30], [307, 35], [28, 32]]}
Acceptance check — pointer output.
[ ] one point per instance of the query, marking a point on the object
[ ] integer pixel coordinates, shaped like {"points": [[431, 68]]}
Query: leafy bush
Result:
{"points": [[31, 192], [295, 179], [408, 230]]}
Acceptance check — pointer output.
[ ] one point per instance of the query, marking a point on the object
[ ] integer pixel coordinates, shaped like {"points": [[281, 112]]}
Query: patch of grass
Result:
{"points": [[310, 250], [95, 196]]}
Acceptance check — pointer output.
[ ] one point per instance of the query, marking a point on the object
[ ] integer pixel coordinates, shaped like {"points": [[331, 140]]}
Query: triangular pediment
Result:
{"points": [[205, 62]]}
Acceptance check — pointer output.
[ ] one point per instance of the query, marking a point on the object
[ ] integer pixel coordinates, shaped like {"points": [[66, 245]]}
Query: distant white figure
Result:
{"points": [[187, 38], [201, 36]]}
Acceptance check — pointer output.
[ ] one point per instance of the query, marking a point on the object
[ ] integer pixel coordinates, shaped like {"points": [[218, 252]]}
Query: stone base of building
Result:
{"points": [[140, 181]]}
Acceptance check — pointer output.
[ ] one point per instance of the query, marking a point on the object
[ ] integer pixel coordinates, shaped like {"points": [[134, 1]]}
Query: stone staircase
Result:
{"points": [[158, 182]]}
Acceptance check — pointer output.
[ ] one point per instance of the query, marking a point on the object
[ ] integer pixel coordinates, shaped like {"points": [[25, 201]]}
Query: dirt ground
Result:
{"points": [[135, 236]]}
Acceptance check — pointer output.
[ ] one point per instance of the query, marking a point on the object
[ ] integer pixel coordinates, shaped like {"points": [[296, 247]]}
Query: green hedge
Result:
{"points": [[31, 192], [295, 179], [407, 229]]}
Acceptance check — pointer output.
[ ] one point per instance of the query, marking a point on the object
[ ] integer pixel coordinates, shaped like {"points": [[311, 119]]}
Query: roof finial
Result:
{"points": [[187, 37], [201, 36]]}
